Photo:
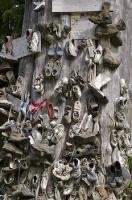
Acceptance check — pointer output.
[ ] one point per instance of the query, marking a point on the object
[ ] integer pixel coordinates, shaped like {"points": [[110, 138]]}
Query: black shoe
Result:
{"points": [[118, 173], [111, 177]]}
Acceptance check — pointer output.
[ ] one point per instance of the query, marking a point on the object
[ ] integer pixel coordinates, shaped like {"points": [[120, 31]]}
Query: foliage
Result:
{"points": [[11, 17]]}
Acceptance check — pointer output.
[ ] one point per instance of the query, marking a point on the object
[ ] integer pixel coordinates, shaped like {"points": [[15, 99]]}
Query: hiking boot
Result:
{"points": [[8, 147], [110, 30], [67, 114], [76, 111], [38, 84], [109, 59], [23, 193], [39, 6], [118, 173], [76, 92]]}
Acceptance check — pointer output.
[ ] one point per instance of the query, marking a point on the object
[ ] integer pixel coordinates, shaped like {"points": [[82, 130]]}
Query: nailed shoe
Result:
{"points": [[62, 171], [48, 68], [116, 40], [67, 114], [52, 49], [59, 49], [111, 177], [56, 69], [76, 164], [109, 59], [76, 92], [98, 54], [71, 49], [39, 5], [32, 40], [76, 111], [118, 173], [38, 84], [68, 188], [104, 17], [110, 30]]}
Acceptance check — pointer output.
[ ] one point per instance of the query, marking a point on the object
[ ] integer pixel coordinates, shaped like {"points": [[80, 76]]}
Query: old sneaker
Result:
{"points": [[110, 30], [109, 59]]}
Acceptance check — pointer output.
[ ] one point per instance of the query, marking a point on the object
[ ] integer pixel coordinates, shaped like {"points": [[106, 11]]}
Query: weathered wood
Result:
{"points": [[76, 5]]}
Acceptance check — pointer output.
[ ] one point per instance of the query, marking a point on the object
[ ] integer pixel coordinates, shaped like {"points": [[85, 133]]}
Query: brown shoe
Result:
{"points": [[109, 59]]}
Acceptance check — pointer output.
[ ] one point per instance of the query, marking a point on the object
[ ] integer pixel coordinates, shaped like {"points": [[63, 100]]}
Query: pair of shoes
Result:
{"points": [[110, 30], [53, 69], [56, 49], [104, 17], [39, 84]]}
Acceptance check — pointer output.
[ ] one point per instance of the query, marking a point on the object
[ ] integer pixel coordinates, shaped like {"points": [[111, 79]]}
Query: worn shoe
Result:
{"points": [[56, 69], [3, 81], [110, 30], [68, 188], [76, 164], [98, 54], [109, 59], [38, 84], [116, 40], [67, 114], [48, 69], [76, 92], [39, 6], [32, 40], [88, 150], [118, 173], [7, 46], [111, 177], [4, 67], [71, 48], [5, 104], [76, 111], [45, 179], [8, 147], [60, 49]]}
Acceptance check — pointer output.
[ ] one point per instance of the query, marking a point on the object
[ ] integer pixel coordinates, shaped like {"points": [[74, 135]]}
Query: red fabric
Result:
{"points": [[34, 106]]}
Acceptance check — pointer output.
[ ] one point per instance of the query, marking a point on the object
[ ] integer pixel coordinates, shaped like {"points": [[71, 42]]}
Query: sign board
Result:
{"points": [[20, 49], [69, 6]]}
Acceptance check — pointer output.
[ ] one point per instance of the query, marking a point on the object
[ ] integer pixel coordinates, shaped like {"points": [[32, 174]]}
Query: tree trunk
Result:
{"points": [[32, 66]]}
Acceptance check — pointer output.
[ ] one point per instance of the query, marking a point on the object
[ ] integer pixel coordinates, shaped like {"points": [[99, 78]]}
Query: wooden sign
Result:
{"points": [[20, 49], [68, 6]]}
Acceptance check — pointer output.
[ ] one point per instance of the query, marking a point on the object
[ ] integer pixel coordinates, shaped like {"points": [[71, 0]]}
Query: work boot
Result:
{"points": [[104, 17], [110, 30], [39, 6], [109, 59], [118, 173]]}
